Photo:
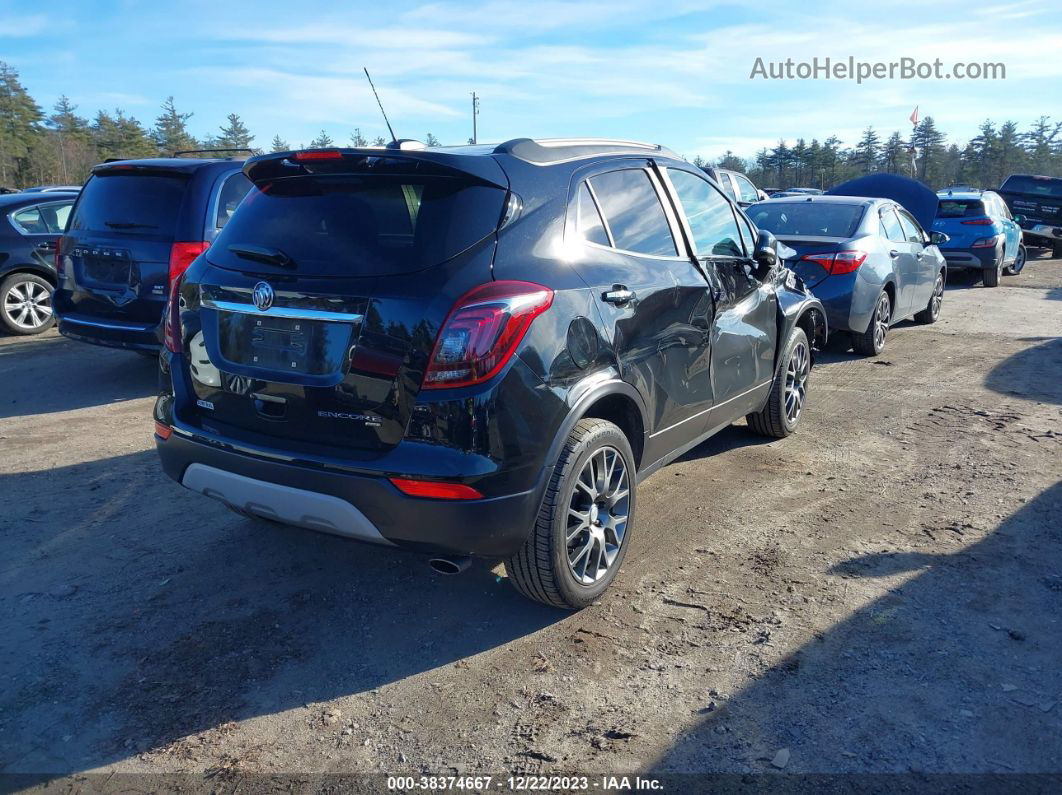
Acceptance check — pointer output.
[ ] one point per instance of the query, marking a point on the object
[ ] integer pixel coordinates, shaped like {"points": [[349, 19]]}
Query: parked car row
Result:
{"points": [[477, 350]]}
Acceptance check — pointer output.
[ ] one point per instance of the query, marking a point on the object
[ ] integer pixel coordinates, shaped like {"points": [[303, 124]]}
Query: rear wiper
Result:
{"points": [[272, 256], [129, 225]]}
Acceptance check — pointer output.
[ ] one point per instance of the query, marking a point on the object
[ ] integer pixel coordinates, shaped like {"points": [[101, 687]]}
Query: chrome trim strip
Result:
{"points": [[113, 326], [710, 408], [291, 313]]}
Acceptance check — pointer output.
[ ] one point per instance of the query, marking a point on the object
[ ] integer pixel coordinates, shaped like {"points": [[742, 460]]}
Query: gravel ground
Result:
{"points": [[880, 593]]}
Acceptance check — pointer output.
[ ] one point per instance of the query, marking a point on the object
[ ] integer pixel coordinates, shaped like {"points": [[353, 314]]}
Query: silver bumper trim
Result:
{"points": [[285, 504]]}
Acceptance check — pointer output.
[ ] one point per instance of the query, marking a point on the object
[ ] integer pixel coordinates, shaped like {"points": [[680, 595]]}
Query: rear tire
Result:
{"points": [[785, 406], [1019, 263], [588, 507], [26, 304], [991, 276], [872, 341], [932, 310]]}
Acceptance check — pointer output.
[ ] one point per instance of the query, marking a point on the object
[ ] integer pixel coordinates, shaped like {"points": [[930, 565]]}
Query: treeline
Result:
{"points": [[61, 147], [984, 161]]}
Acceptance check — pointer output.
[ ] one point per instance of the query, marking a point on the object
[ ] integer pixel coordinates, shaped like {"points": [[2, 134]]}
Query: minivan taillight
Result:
{"points": [[171, 333], [59, 270], [836, 263], [182, 255], [482, 332]]}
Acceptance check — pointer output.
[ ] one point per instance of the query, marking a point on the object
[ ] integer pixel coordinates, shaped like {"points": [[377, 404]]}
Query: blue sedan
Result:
{"points": [[868, 260]]}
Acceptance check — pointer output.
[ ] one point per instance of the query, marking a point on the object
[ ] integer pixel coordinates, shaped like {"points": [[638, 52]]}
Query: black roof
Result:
{"points": [[9, 200]]}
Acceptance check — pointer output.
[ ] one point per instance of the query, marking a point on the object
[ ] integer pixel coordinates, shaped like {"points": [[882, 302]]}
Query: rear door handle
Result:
{"points": [[618, 295]]}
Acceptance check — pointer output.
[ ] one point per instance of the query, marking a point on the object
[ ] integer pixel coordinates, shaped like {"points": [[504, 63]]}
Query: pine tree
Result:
{"points": [[928, 142], [279, 144], [357, 140], [379, 141], [866, 151], [170, 133], [20, 132], [893, 158], [119, 136], [431, 140], [732, 162], [235, 135], [322, 141]]}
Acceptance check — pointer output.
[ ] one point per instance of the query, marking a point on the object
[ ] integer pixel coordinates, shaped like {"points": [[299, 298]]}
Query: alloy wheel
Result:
{"points": [[796, 381], [28, 305], [597, 515], [938, 296], [881, 321]]}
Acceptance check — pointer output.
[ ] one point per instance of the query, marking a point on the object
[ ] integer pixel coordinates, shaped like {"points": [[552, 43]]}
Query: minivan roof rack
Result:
{"points": [[546, 151], [181, 152]]}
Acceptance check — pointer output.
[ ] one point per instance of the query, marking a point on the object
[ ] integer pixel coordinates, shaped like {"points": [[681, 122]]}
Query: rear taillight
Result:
{"points": [[172, 329], [60, 271], [182, 255], [836, 263], [435, 489], [985, 242], [978, 222], [162, 430], [482, 332]]}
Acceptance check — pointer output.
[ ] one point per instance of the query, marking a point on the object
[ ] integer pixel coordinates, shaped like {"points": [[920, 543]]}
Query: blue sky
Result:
{"points": [[670, 72]]}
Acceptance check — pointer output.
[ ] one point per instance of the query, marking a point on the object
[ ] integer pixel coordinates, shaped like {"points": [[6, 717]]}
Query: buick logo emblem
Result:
{"points": [[262, 296]]}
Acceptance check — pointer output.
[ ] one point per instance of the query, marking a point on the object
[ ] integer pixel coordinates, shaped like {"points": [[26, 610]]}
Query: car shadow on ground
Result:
{"points": [[78, 376], [1032, 373], [880, 692], [138, 614]]}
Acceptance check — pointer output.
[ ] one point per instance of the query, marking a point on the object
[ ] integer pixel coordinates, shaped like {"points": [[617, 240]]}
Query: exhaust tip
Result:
{"points": [[450, 566]]}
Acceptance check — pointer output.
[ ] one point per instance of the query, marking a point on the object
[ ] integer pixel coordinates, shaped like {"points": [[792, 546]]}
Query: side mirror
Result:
{"points": [[762, 195], [1019, 219], [938, 238], [766, 254]]}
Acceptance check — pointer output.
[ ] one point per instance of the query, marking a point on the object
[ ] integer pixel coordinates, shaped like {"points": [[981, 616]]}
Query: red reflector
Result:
{"points": [[436, 489], [162, 431], [182, 255], [978, 222], [171, 330], [318, 154]]}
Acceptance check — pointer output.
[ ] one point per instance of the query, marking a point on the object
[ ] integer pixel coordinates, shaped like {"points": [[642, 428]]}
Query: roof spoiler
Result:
{"points": [[182, 152], [367, 160]]}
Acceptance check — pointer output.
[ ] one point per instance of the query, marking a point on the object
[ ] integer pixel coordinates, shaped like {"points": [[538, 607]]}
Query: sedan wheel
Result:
{"points": [[871, 341], [26, 304], [796, 381]]}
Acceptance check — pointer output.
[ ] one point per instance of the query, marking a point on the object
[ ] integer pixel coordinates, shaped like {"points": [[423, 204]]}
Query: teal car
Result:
{"points": [[982, 234]]}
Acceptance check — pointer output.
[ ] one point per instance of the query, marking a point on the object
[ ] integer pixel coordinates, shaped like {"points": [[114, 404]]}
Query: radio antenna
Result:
{"points": [[382, 111]]}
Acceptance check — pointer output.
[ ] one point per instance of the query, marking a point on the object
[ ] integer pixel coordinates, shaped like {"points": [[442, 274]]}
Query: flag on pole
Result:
{"points": [[914, 116]]}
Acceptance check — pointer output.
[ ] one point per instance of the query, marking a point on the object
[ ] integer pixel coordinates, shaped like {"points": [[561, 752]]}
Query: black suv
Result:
{"points": [[135, 227], [476, 350], [1036, 203]]}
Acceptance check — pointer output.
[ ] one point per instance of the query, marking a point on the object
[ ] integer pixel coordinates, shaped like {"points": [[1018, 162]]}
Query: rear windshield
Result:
{"points": [[1039, 186], [960, 208], [361, 225], [807, 218], [130, 204]]}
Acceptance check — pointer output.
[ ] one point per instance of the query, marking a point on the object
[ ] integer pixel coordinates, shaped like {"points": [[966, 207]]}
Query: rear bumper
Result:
{"points": [[352, 505], [109, 332], [972, 258], [848, 301]]}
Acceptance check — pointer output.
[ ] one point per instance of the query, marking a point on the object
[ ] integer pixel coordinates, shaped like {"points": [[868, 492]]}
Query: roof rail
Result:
{"points": [[546, 151], [181, 152]]}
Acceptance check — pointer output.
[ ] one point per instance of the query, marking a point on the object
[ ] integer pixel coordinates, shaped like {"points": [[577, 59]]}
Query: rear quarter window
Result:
{"points": [[130, 203], [635, 216]]}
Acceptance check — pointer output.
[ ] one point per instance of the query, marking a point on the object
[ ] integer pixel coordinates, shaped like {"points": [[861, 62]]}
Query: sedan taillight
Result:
{"points": [[836, 263]]}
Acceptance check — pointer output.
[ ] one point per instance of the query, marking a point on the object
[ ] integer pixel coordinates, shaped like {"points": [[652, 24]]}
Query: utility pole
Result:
{"points": [[475, 112]]}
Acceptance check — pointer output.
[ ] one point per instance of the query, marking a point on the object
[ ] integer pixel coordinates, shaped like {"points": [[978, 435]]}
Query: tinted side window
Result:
{"points": [[29, 220], [232, 193], [730, 186], [893, 230], [588, 219], [910, 227], [746, 189], [634, 213], [712, 223]]}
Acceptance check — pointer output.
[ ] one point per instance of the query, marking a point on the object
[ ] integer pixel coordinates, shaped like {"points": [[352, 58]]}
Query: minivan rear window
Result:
{"points": [[960, 208], [361, 225], [1038, 186], [130, 203]]}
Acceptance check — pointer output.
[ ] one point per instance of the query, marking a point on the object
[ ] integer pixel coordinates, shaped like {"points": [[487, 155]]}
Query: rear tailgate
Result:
{"points": [[319, 303], [119, 241], [1039, 199]]}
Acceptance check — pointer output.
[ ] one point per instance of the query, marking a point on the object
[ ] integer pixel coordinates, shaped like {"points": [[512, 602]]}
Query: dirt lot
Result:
{"points": [[881, 592]]}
